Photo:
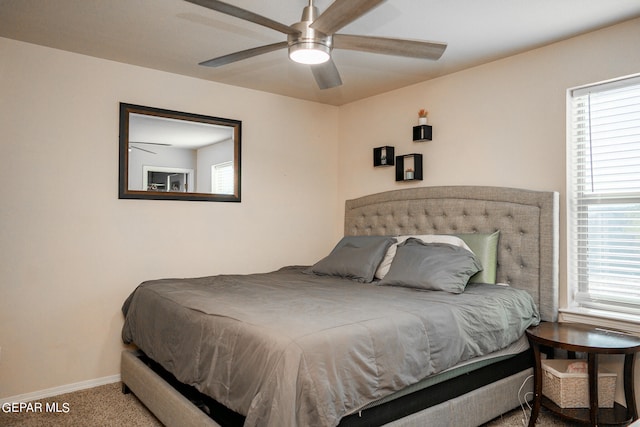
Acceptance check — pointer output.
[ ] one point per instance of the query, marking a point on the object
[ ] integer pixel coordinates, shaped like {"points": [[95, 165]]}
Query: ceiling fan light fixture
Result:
{"points": [[310, 53]]}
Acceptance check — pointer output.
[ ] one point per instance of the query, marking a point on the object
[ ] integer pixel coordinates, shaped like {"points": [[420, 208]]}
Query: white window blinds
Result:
{"points": [[604, 195], [222, 177]]}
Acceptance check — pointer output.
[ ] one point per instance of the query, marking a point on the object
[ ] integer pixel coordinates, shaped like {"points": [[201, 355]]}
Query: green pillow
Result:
{"points": [[485, 247]]}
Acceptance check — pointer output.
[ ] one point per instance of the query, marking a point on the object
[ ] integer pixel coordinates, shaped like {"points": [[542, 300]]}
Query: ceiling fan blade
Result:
{"points": [[243, 54], [341, 13], [142, 149], [326, 75], [150, 143], [238, 12], [390, 46]]}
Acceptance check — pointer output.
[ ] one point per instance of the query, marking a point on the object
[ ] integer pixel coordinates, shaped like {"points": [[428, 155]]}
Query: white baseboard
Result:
{"points": [[55, 391]]}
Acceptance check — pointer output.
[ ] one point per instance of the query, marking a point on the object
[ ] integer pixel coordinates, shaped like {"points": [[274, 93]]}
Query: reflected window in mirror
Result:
{"points": [[172, 155]]}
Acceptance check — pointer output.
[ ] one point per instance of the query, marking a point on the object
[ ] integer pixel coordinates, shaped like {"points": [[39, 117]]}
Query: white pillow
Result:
{"points": [[383, 268]]}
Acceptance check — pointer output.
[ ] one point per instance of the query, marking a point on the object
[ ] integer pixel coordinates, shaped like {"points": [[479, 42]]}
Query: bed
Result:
{"points": [[409, 378]]}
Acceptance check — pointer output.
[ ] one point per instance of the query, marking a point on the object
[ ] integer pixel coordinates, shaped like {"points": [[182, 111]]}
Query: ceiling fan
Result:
{"points": [[311, 40]]}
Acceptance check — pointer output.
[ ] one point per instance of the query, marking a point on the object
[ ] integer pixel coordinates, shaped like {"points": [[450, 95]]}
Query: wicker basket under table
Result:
{"points": [[571, 390]]}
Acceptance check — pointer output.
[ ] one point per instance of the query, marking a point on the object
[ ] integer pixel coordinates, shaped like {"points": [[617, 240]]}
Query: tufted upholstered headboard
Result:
{"points": [[527, 220]]}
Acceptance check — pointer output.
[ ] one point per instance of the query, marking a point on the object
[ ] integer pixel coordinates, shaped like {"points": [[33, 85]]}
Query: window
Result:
{"points": [[222, 178], [603, 186]]}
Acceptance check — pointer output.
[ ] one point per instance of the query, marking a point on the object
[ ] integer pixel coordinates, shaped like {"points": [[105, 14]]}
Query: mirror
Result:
{"points": [[170, 155]]}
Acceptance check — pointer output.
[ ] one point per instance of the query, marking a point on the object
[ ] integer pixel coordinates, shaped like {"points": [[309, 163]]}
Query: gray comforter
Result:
{"points": [[291, 349]]}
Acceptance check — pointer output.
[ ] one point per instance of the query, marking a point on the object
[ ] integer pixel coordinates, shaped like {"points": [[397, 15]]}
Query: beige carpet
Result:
{"points": [[100, 406], [106, 406]]}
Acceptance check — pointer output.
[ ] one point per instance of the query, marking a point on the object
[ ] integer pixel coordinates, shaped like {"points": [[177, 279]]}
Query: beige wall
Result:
{"points": [[500, 124], [70, 258], [72, 251]]}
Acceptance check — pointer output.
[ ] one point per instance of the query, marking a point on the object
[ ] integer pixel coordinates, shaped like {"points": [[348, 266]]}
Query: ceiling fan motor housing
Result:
{"points": [[309, 41]]}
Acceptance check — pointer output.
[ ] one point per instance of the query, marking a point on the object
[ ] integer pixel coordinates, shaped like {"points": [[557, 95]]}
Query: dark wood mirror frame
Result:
{"points": [[125, 192]]}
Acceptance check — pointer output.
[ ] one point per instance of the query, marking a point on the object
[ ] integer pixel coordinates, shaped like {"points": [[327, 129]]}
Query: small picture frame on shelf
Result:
{"points": [[383, 156]]}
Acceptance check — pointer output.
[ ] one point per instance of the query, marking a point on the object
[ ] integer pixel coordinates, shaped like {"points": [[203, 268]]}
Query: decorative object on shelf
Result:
{"points": [[409, 167], [408, 174], [423, 131], [422, 116], [383, 156]]}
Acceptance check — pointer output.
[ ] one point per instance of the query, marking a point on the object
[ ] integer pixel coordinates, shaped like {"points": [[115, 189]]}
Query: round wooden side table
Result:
{"points": [[575, 337]]}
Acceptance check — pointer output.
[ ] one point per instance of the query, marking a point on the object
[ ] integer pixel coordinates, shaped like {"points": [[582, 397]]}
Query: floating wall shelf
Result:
{"points": [[422, 133], [409, 167], [383, 156]]}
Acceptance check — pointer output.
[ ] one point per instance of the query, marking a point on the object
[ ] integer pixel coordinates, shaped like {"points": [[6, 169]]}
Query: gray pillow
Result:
{"points": [[485, 246], [432, 266], [354, 257]]}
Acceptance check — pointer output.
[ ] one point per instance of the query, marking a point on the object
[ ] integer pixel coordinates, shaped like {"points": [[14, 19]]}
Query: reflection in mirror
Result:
{"points": [[178, 156]]}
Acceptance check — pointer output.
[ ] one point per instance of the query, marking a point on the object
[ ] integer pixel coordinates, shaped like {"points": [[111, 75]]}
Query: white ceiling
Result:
{"points": [[174, 36], [153, 130]]}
